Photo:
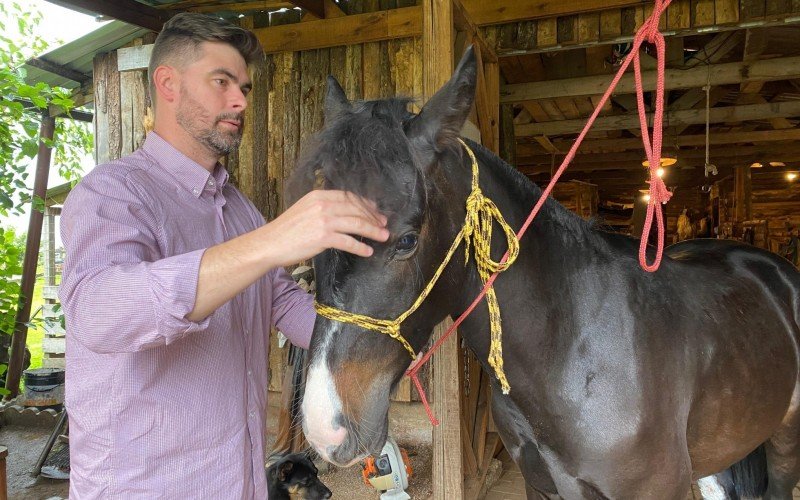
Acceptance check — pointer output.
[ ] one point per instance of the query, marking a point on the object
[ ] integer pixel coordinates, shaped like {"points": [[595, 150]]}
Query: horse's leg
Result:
{"points": [[783, 453], [519, 440], [532, 493]]}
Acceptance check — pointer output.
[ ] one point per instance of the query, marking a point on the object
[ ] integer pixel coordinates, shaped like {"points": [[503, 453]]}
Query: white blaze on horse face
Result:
{"points": [[321, 404]]}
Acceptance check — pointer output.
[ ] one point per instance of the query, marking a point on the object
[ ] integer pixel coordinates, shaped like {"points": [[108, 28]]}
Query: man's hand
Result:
{"points": [[321, 220]]}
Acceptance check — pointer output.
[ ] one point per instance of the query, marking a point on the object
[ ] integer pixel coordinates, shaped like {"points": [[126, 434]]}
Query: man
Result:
{"points": [[172, 280]]}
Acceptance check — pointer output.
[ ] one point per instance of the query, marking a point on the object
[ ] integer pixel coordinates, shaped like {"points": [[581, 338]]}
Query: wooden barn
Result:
{"points": [[731, 133]]}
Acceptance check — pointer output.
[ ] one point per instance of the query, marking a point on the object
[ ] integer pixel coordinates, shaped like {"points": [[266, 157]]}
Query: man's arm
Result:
{"points": [[121, 295], [318, 221]]}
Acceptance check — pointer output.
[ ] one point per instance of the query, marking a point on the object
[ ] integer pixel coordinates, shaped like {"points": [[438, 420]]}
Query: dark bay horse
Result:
{"points": [[624, 384]]}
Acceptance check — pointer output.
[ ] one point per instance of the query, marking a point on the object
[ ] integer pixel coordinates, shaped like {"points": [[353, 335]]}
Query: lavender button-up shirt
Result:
{"points": [[160, 406]]}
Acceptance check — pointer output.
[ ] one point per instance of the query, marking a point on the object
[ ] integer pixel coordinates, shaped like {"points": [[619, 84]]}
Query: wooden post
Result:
{"points": [[3, 474], [448, 482], [31, 258], [448, 479], [743, 194]]}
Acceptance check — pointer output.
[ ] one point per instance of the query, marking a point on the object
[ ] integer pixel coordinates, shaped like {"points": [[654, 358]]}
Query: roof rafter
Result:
{"points": [[129, 11]]}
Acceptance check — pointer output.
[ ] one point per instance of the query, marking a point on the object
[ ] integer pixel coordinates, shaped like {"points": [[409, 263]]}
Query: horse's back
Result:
{"points": [[715, 265], [746, 360]]}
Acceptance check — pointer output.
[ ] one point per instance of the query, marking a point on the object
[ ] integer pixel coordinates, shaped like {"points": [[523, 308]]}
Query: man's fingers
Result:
{"points": [[347, 204], [359, 226], [347, 243]]}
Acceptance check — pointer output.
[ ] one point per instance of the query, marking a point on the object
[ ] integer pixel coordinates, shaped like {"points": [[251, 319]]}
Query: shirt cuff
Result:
{"points": [[173, 284]]}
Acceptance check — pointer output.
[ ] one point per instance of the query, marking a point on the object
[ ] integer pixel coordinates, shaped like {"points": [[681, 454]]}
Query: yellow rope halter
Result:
{"points": [[476, 232]]}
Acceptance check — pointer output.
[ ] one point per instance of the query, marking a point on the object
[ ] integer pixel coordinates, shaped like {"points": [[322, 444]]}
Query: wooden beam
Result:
{"points": [[31, 257], [129, 11], [260, 5], [636, 166], [547, 144], [687, 117], [509, 11], [134, 58], [742, 193], [719, 46], [332, 9], [716, 139], [79, 99], [719, 74], [59, 69], [540, 48], [347, 30], [315, 7], [463, 22], [717, 152]]}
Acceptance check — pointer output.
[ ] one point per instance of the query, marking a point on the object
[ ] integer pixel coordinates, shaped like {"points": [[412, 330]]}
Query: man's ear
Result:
{"points": [[167, 83], [285, 470]]}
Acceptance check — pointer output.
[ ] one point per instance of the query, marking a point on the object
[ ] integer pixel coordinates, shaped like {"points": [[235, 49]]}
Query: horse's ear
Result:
{"points": [[441, 119], [336, 101]]}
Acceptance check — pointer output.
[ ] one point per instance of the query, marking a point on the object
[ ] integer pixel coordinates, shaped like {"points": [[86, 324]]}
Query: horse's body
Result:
{"points": [[624, 384]]}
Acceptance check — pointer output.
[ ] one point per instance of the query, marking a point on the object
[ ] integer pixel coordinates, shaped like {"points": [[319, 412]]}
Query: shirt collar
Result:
{"points": [[187, 172]]}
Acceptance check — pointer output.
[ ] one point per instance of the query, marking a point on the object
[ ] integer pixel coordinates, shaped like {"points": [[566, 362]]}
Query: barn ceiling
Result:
{"points": [[557, 58]]}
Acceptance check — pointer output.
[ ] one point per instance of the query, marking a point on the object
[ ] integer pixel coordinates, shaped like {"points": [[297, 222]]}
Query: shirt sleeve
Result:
{"points": [[118, 292], [292, 309]]}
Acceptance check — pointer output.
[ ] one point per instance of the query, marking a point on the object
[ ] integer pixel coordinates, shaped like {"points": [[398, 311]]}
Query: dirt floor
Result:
{"points": [[347, 483], [26, 437], [24, 445]]}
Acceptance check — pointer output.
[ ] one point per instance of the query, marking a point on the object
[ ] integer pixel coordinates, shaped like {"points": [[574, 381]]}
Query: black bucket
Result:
{"points": [[44, 387]]}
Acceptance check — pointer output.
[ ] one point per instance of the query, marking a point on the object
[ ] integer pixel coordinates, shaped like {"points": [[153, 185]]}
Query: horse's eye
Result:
{"points": [[407, 243]]}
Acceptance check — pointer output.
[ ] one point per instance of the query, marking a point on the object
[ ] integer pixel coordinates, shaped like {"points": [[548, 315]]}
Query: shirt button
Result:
{"points": [[195, 191], [211, 182], [250, 372], [252, 414]]}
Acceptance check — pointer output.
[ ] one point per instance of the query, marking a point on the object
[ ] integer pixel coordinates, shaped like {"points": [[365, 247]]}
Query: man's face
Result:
{"points": [[212, 98]]}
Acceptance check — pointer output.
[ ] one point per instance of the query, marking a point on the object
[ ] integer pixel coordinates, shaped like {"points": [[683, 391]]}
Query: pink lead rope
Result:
{"points": [[658, 191]]}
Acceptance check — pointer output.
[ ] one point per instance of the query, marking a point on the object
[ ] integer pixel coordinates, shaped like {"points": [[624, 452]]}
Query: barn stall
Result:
{"points": [[733, 88]]}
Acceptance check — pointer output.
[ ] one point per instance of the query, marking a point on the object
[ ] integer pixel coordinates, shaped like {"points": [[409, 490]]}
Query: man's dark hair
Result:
{"points": [[180, 39]]}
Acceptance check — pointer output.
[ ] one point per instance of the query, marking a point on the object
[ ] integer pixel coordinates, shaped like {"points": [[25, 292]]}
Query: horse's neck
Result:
{"points": [[516, 196], [555, 240]]}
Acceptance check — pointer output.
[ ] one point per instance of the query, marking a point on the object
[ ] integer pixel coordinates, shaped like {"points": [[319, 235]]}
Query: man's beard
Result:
{"points": [[192, 116]]}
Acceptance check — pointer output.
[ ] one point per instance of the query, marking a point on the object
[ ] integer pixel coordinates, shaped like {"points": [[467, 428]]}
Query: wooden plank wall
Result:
{"points": [[609, 25], [121, 102], [286, 108]]}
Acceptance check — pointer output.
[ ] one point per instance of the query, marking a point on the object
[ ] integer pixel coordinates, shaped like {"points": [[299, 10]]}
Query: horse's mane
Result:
{"points": [[523, 189], [347, 155]]}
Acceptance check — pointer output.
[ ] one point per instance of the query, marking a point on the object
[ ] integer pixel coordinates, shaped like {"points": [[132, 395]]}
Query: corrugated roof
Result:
{"points": [[77, 55]]}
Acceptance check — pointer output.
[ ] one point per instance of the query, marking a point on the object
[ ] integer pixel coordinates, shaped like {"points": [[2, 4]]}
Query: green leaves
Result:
{"points": [[11, 254], [21, 106]]}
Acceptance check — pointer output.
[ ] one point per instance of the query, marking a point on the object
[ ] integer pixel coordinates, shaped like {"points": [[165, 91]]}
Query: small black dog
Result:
{"points": [[294, 477]]}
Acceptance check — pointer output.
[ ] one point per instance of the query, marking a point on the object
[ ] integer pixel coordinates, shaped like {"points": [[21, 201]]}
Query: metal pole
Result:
{"points": [[31, 258]]}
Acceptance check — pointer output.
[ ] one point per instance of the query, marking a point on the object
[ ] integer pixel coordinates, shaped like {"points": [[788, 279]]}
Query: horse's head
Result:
{"points": [[381, 151]]}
